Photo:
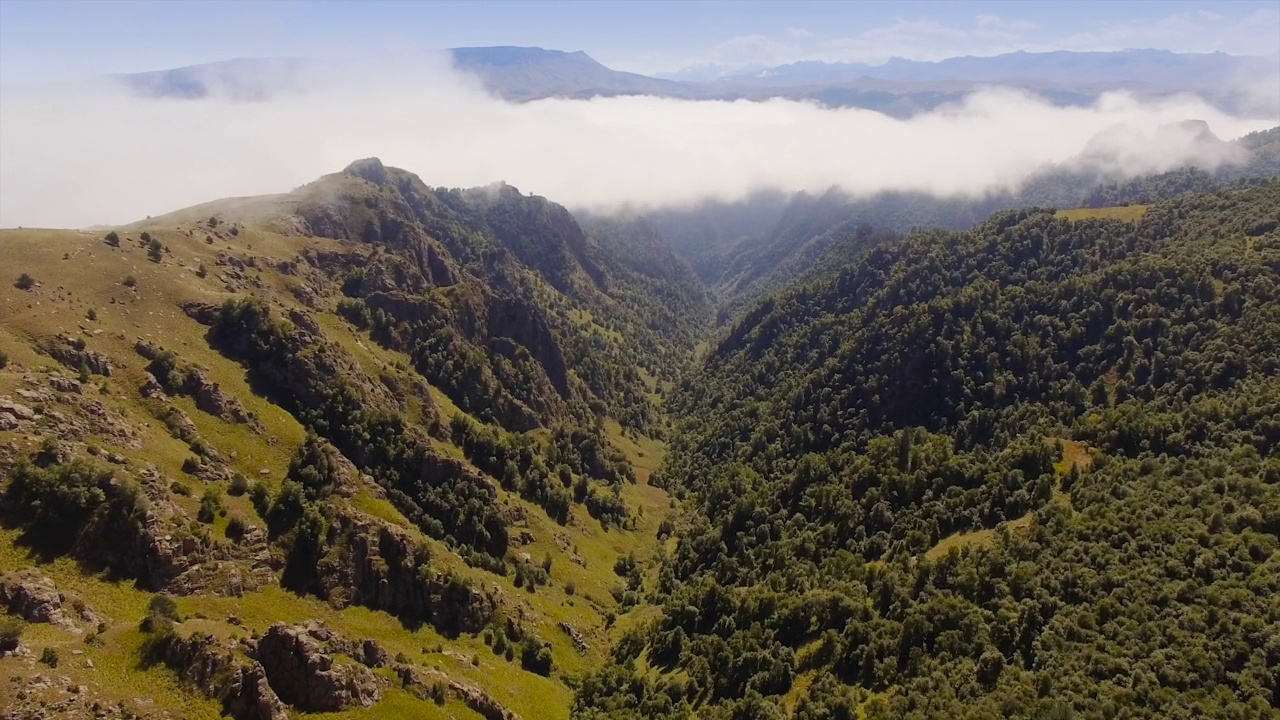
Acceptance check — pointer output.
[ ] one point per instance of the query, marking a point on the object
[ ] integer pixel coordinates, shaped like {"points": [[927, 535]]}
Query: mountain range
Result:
{"points": [[898, 87]]}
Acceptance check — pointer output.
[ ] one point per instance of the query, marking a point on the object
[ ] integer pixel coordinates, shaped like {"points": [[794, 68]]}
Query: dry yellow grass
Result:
{"points": [[1128, 213]]}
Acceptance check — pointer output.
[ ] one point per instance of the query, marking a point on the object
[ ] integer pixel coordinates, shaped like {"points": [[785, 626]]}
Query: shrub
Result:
{"points": [[239, 485], [536, 658], [49, 657], [179, 489], [155, 250], [202, 271], [92, 314], [4, 359], [130, 281], [11, 632], [210, 504], [570, 588], [164, 606], [113, 239], [25, 282], [146, 237], [260, 497], [236, 527]]}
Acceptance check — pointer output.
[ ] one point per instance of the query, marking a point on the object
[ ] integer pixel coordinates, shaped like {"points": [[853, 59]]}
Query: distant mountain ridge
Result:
{"points": [[899, 87]]}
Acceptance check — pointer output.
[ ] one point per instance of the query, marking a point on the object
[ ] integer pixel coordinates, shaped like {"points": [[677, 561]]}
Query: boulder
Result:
{"points": [[33, 597]]}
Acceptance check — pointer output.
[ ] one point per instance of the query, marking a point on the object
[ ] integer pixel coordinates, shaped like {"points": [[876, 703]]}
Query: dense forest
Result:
{"points": [[1024, 471]]}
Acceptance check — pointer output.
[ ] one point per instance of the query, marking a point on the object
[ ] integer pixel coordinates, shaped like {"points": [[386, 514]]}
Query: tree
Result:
{"points": [[113, 239]]}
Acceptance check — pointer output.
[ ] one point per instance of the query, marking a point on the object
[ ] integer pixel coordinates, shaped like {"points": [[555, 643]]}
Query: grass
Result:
{"points": [[1127, 213], [92, 278]]}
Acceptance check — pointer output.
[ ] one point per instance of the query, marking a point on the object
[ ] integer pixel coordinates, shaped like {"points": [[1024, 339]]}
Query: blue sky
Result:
{"points": [[47, 40]]}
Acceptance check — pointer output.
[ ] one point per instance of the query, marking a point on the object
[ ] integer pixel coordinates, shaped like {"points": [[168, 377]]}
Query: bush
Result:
{"points": [[155, 250], [202, 271], [236, 527], [210, 503], [11, 632], [113, 239], [570, 588], [130, 281], [92, 314], [25, 282], [4, 359], [260, 497], [146, 237], [536, 658], [239, 485], [49, 657], [162, 605]]}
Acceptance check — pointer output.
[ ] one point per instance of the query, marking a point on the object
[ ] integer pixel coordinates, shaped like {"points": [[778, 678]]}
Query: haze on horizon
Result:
{"points": [[75, 154]]}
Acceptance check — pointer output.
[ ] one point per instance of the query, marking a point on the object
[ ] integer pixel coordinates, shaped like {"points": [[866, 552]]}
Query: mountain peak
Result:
{"points": [[370, 169]]}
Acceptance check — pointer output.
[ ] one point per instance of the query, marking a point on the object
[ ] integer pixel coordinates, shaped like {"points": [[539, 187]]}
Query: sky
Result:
{"points": [[47, 40], [77, 150]]}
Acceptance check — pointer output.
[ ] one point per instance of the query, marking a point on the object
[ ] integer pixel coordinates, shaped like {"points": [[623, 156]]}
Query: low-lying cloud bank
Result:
{"points": [[79, 155]]}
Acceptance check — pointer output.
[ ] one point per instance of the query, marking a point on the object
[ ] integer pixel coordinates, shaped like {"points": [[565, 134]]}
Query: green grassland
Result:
{"points": [[78, 272]]}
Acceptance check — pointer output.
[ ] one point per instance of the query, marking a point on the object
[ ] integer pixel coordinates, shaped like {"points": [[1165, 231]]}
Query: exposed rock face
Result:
{"points": [[72, 353], [305, 676], [425, 683], [33, 597], [381, 567], [221, 672]]}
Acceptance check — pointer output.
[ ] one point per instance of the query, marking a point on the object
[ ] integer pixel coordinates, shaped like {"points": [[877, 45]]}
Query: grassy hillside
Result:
{"points": [[152, 447]]}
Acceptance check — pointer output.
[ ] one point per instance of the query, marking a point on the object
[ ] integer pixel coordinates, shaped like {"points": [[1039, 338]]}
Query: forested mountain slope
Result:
{"points": [[424, 417], [1027, 470]]}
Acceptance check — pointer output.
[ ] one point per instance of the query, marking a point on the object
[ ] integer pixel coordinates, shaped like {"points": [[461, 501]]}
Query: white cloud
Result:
{"points": [[1257, 33], [75, 156]]}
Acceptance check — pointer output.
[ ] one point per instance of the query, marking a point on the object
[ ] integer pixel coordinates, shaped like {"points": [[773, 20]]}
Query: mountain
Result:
{"points": [[899, 87], [1141, 68], [745, 250], [1010, 472], [370, 448], [374, 448], [523, 73]]}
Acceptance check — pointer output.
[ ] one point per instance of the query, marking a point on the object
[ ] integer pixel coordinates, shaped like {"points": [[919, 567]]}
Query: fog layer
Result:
{"points": [[86, 154]]}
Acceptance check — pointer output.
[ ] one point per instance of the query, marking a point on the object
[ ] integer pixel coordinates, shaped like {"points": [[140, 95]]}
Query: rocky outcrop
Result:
{"points": [[432, 684], [377, 565], [13, 414], [152, 540], [579, 641], [202, 312], [33, 597], [71, 352], [212, 399], [224, 673], [374, 655], [306, 677]]}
